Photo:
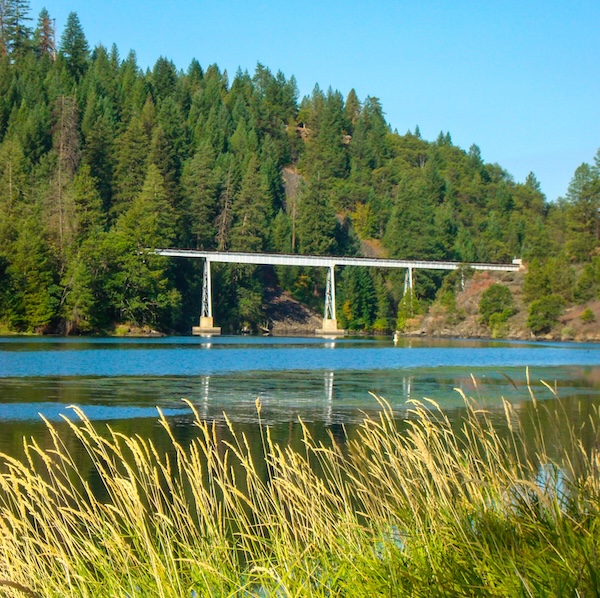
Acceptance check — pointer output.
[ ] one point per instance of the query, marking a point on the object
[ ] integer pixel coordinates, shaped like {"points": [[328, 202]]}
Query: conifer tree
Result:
{"points": [[200, 191], [351, 111], [583, 212], [74, 47], [316, 226], [4, 27], [98, 152], [34, 292], [251, 211], [139, 287], [130, 168], [15, 36]]}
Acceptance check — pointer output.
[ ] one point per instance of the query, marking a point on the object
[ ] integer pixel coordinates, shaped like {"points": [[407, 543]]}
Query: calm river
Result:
{"points": [[326, 383]]}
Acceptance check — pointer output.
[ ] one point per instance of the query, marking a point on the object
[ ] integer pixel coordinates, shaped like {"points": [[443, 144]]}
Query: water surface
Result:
{"points": [[326, 383]]}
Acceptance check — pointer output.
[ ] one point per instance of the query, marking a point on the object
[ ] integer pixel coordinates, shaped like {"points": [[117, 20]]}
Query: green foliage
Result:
{"points": [[74, 47], [553, 276], [583, 212], [537, 282], [588, 316], [408, 308], [544, 313], [33, 291], [243, 163], [496, 305], [587, 286], [359, 299], [316, 226]]}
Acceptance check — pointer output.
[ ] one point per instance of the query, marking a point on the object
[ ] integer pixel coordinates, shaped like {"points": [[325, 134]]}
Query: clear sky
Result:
{"points": [[520, 78]]}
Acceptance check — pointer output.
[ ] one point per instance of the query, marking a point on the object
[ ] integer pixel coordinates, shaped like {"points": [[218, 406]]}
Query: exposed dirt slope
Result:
{"points": [[464, 321], [286, 316]]}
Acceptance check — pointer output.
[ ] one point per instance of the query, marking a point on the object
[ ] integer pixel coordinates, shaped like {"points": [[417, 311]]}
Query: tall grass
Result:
{"points": [[423, 510]]}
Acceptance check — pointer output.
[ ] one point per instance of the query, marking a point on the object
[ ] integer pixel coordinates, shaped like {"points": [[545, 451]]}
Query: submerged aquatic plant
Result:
{"points": [[426, 508]]}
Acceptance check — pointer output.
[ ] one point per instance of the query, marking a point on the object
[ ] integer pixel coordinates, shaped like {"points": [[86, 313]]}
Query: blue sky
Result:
{"points": [[518, 78]]}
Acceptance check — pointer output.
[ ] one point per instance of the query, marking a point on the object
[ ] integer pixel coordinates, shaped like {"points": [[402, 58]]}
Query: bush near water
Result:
{"points": [[485, 508], [100, 158]]}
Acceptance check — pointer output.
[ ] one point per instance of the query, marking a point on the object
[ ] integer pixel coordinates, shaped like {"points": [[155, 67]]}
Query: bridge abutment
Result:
{"points": [[330, 328], [206, 328]]}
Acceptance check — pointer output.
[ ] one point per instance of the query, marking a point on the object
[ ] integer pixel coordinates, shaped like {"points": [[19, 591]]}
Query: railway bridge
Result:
{"points": [[207, 327]]}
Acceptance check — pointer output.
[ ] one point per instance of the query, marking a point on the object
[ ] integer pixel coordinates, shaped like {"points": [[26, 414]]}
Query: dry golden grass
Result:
{"points": [[425, 510]]}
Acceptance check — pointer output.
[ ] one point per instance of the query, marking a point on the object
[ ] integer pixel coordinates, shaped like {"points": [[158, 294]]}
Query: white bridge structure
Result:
{"points": [[206, 324]]}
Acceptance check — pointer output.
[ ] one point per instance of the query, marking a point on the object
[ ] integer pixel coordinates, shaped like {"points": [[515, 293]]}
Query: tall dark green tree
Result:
{"points": [[201, 194], [45, 36], [17, 33], [139, 286], [316, 224], [130, 167], [583, 212], [251, 212], [74, 47]]}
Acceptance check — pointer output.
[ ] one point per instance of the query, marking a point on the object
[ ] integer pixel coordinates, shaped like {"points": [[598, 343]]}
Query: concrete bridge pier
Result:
{"points": [[330, 328], [207, 326]]}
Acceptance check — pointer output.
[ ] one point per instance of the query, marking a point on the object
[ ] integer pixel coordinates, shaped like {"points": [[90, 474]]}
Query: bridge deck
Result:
{"points": [[276, 259]]}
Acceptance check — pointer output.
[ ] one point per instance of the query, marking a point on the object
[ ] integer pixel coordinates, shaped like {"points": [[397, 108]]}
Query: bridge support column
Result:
{"points": [[408, 281], [329, 321], [207, 326]]}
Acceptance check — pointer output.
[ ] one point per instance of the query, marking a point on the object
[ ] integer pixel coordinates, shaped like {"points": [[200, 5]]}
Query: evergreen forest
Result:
{"points": [[100, 159]]}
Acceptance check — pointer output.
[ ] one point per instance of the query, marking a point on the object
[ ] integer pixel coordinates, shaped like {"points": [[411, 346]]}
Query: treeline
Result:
{"points": [[100, 160]]}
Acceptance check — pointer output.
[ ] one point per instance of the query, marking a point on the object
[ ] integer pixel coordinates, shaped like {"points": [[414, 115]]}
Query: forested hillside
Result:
{"points": [[100, 159]]}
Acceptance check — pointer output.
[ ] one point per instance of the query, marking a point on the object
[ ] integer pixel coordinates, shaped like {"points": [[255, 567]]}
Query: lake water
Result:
{"points": [[326, 383]]}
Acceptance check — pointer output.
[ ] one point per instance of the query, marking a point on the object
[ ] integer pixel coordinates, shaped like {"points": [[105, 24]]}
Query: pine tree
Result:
{"points": [[81, 302], [351, 111], [98, 152], [583, 212], [325, 154], [4, 27], [14, 34], [12, 188], [34, 295], [130, 168], [74, 47], [251, 211], [139, 287], [20, 32], [164, 78], [316, 225], [200, 193]]}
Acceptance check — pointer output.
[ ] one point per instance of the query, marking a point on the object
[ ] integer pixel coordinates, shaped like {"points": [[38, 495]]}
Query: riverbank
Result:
{"points": [[463, 320]]}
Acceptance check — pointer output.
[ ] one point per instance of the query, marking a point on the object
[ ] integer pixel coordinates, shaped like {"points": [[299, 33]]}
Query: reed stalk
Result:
{"points": [[421, 509]]}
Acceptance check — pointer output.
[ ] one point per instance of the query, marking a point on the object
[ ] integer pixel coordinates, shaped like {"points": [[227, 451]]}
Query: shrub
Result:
{"points": [[381, 325], [498, 326], [497, 301], [588, 316], [544, 313]]}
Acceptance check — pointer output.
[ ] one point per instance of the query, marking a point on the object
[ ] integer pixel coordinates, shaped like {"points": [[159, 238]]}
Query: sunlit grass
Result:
{"points": [[425, 509]]}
